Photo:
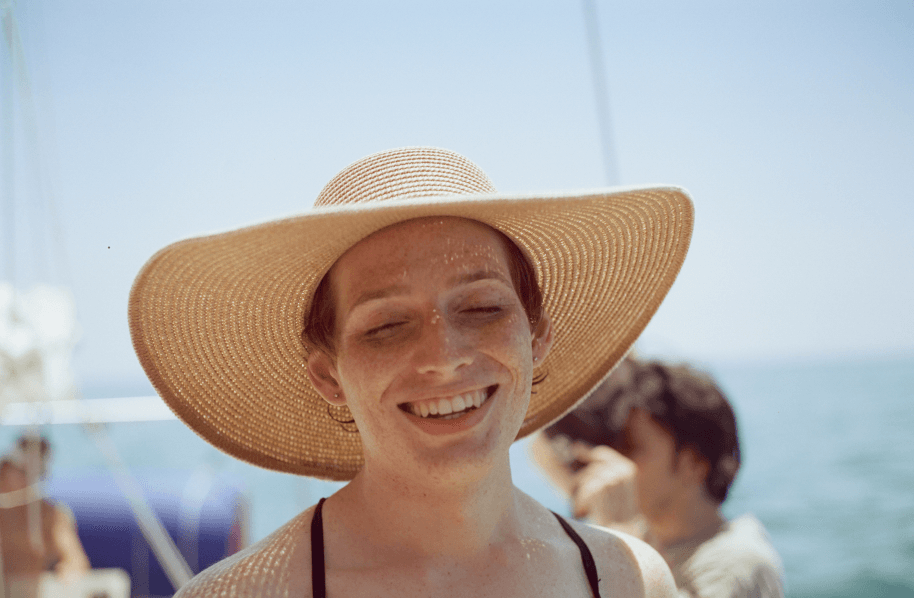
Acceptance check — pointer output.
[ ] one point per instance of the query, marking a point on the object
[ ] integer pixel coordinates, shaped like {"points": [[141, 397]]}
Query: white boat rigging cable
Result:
{"points": [[7, 146], [601, 91], [162, 544], [87, 411], [30, 350]]}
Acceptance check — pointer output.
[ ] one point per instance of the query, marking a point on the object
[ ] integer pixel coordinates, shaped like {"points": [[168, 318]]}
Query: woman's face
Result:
{"points": [[434, 352]]}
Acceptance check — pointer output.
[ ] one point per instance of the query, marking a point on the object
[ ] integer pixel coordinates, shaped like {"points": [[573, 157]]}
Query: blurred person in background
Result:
{"points": [[653, 452], [36, 535]]}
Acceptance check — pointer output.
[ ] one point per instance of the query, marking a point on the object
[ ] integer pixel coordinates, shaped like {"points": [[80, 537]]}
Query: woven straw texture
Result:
{"points": [[262, 569], [216, 321]]}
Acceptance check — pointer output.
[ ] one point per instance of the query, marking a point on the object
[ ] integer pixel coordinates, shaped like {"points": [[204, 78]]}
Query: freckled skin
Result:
{"points": [[426, 309], [434, 344]]}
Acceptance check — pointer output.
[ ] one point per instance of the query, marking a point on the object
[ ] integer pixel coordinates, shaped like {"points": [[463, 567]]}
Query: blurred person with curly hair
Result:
{"points": [[654, 452]]}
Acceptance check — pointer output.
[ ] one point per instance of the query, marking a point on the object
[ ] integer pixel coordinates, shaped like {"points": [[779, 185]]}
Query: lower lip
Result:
{"points": [[440, 427]]}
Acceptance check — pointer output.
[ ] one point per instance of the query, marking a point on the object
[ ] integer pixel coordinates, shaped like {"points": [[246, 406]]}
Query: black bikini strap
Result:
{"points": [[590, 567], [318, 581]]}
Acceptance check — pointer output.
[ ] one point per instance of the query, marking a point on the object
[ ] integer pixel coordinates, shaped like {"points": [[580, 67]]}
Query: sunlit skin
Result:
{"points": [[12, 478], [426, 310], [35, 539]]}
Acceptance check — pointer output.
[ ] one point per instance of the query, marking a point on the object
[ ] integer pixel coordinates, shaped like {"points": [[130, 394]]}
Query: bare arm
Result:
{"points": [[599, 482], [604, 491], [72, 560]]}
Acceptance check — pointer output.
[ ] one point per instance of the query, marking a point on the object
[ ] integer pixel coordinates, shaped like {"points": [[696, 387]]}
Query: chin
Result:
{"points": [[462, 459]]}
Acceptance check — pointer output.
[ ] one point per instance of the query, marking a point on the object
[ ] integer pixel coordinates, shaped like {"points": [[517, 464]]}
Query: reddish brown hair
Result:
{"points": [[320, 322]]}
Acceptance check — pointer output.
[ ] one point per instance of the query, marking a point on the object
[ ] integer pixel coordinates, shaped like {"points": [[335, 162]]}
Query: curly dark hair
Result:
{"points": [[686, 402]]}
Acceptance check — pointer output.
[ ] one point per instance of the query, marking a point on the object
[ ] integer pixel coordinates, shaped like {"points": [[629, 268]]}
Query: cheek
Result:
{"points": [[646, 473], [363, 379], [514, 340]]}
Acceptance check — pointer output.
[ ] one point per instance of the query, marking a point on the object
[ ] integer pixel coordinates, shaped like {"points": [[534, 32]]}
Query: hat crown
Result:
{"points": [[403, 173]]}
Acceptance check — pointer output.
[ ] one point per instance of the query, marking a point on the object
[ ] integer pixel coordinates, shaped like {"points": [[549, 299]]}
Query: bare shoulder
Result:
{"points": [[627, 566], [58, 513], [263, 570]]}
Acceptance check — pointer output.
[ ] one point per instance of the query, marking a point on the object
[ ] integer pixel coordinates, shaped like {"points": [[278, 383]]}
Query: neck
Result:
{"points": [[694, 516], [441, 517]]}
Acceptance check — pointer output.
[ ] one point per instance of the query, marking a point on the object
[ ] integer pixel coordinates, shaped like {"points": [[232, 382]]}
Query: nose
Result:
{"points": [[442, 349]]}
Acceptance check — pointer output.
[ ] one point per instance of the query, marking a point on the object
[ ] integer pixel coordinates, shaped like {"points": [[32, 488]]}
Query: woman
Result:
{"points": [[397, 337], [36, 535]]}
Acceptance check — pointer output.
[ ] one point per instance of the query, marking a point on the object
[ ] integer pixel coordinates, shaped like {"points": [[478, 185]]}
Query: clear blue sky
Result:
{"points": [[791, 123]]}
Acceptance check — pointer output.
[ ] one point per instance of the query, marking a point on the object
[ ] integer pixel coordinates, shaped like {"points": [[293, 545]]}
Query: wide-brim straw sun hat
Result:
{"points": [[217, 321]]}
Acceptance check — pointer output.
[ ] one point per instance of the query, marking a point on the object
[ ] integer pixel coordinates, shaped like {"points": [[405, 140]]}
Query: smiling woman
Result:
{"points": [[427, 319], [419, 305]]}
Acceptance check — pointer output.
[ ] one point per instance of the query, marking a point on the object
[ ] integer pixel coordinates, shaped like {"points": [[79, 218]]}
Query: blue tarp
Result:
{"points": [[205, 515]]}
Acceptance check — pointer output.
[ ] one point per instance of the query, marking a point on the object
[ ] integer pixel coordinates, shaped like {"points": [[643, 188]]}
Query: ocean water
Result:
{"points": [[828, 469]]}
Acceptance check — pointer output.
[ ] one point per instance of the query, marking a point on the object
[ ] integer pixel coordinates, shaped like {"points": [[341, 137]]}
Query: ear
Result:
{"points": [[542, 338], [693, 465], [324, 377]]}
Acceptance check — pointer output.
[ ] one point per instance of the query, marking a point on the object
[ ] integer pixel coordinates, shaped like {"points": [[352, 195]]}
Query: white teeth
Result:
{"points": [[451, 407]]}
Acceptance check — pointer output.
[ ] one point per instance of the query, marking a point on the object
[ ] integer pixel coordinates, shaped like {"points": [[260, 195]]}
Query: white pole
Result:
{"points": [[601, 91], [7, 147], [176, 568]]}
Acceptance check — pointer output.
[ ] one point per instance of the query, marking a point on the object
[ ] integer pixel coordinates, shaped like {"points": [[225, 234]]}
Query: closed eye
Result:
{"points": [[383, 330], [488, 309]]}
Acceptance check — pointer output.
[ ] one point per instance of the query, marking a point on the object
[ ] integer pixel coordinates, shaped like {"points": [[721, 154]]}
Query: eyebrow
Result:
{"points": [[397, 289], [367, 296], [479, 275]]}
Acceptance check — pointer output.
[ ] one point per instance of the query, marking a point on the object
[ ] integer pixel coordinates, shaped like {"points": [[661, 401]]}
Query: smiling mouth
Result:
{"points": [[449, 407]]}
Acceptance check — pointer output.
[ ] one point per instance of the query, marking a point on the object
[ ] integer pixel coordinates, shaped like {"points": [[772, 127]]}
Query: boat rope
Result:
{"points": [[22, 496], [44, 209], [7, 144], [600, 91], [161, 543]]}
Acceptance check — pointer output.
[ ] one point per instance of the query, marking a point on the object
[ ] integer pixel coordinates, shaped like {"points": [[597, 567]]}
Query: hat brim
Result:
{"points": [[216, 321]]}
